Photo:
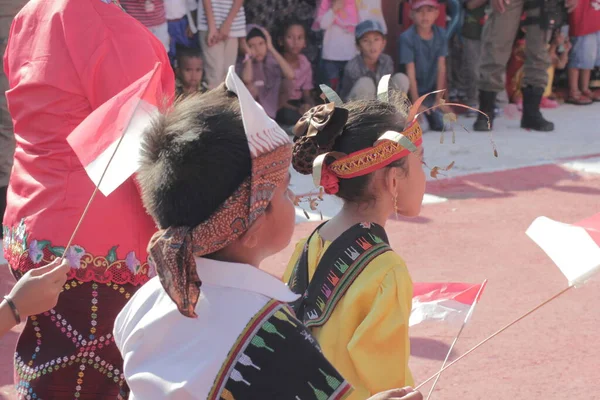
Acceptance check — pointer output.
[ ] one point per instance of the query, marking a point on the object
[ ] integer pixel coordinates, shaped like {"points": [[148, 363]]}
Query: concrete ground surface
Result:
{"points": [[472, 227]]}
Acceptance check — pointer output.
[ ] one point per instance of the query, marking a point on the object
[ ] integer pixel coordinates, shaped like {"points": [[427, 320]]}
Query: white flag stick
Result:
{"points": [[467, 317], [87, 207], [495, 334]]}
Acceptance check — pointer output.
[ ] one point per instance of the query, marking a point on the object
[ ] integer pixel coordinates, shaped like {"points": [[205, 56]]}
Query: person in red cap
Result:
{"points": [[423, 50]]}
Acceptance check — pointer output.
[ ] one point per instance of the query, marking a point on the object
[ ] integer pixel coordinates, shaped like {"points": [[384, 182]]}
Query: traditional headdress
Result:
{"points": [[172, 250], [319, 127], [317, 130]]}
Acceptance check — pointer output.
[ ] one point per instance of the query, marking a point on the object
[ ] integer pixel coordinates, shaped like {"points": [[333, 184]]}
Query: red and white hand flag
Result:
{"points": [[449, 302], [575, 249], [118, 124]]}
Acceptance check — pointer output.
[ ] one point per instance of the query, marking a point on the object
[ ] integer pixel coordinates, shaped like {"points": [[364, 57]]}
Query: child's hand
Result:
{"points": [[337, 5], [243, 46], [189, 33], [567, 45], [304, 108], [406, 393], [37, 291], [500, 5], [423, 109], [268, 39], [213, 37], [224, 30]]}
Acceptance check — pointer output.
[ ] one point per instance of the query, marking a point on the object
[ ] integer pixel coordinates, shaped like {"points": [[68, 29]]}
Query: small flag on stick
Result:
{"points": [[449, 302], [118, 124], [575, 249]]}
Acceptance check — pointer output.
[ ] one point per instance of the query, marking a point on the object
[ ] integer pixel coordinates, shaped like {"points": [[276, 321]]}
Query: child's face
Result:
{"points": [[190, 72], [411, 189], [371, 45], [280, 219], [424, 17], [258, 48], [294, 40]]}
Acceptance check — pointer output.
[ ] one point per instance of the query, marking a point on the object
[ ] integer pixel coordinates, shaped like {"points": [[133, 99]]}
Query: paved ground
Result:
{"points": [[473, 227]]}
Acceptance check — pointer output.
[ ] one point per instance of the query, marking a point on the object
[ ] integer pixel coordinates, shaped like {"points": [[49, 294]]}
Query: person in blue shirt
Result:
{"points": [[423, 49]]}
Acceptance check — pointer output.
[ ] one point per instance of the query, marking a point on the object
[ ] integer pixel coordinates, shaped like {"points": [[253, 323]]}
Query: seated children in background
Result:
{"points": [[263, 69], [295, 97], [357, 292], [364, 71], [423, 49], [212, 325], [181, 24], [338, 18], [189, 71]]}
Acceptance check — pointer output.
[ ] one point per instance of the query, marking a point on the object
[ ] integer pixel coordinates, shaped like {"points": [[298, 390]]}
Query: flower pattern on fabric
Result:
{"points": [[132, 262], [23, 254]]}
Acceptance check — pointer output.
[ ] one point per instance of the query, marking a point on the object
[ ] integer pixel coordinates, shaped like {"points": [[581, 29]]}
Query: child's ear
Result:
{"points": [[251, 238], [391, 179]]}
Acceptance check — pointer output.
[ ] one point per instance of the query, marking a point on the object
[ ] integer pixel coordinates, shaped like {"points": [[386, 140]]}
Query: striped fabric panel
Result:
{"points": [[137, 9], [220, 12]]}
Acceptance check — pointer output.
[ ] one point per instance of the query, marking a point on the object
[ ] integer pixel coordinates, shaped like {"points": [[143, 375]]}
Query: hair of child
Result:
{"points": [[255, 32], [187, 52], [283, 27], [367, 121], [184, 150]]}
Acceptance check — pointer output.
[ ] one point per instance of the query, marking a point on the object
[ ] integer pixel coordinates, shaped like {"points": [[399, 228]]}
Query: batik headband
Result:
{"points": [[172, 250]]}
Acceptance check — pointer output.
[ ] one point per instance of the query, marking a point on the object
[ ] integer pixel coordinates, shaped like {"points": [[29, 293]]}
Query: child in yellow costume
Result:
{"points": [[356, 291]]}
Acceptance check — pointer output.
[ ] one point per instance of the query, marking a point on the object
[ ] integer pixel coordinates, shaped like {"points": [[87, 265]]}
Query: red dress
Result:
{"points": [[585, 18], [64, 58]]}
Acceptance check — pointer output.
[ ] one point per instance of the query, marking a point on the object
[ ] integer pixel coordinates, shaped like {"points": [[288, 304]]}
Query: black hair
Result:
{"points": [[255, 32], [193, 158], [284, 25], [367, 121], [187, 52]]}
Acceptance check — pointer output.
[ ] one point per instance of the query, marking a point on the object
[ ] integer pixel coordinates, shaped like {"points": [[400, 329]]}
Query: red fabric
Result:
{"points": [[585, 19], [329, 180], [407, 21], [65, 58], [75, 337]]}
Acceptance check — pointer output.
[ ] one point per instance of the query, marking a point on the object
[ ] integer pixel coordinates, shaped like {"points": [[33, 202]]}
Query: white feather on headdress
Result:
{"points": [[264, 135]]}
